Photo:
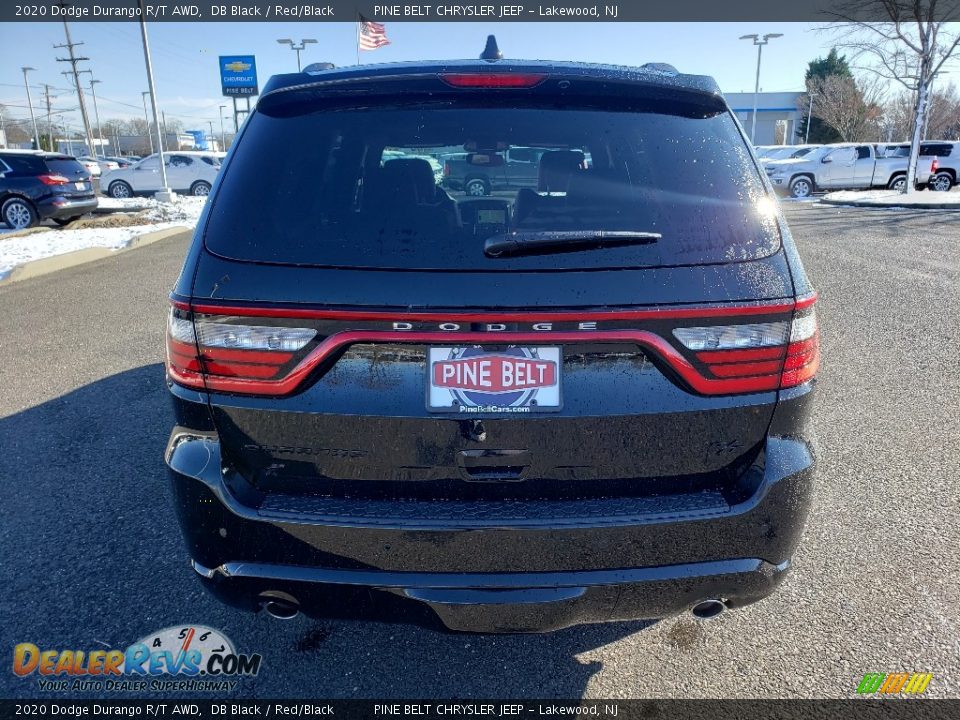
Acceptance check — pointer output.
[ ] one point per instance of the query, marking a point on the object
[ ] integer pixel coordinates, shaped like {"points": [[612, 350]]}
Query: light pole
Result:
{"points": [[806, 139], [759, 42], [223, 137], [33, 119], [164, 194], [146, 117], [211, 135], [96, 112], [297, 48]]}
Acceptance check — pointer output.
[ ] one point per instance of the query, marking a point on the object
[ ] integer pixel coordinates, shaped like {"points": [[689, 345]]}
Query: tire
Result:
{"points": [[801, 187], [941, 182], [63, 222], [898, 182], [120, 189], [201, 188], [19, 214], [477, 187]]}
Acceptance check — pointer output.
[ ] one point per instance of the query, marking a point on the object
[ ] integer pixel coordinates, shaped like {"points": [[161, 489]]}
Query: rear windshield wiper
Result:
{"points": [[554, 241]]}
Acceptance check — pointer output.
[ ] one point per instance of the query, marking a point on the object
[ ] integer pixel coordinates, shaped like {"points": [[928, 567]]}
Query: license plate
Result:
{"points": [[474, 380], [80, 186]]}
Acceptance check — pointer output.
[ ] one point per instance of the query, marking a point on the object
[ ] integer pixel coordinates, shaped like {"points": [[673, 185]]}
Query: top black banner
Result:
{"points": [[429, 11]]}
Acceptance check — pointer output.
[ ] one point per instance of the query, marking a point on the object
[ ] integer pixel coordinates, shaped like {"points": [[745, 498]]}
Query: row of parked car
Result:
{"points": [[800, 170], [37, 185]]}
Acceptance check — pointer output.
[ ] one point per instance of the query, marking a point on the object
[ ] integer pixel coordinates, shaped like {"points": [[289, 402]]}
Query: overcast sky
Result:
{"points": [[188, 87]]}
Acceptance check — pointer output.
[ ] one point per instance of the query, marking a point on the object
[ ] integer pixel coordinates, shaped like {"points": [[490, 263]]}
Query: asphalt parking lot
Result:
{"points": [[93, 557]]}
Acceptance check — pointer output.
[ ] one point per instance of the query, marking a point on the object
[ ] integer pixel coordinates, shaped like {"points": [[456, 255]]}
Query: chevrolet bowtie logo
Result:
{"points": [[236, 66]]}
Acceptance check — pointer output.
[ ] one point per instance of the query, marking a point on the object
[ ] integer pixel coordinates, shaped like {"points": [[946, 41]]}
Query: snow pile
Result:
{"points": [[183, 212], [134, 203], [892, 198]]}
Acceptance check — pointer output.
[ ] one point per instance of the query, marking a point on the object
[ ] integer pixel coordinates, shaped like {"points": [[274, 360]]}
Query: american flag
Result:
{"points": [[372, 35]]}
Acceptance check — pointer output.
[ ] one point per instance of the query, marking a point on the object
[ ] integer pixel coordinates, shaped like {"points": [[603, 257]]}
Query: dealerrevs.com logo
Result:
{"points": [[183, 658]]}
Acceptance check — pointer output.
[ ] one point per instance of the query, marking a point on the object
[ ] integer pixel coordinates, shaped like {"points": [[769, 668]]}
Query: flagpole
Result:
{"points": [[358, 39]]}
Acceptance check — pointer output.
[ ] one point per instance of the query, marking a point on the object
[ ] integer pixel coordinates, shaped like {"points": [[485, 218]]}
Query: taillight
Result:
{"points": [[716, 350], [446, 168], [934, 165], [53, 179], [761, 356], [203, 352], [493, 80], [803, 352]]}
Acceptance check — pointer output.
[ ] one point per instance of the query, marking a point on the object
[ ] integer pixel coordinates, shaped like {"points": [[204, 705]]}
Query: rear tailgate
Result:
{"points": [[326, 317], [633, 419]]}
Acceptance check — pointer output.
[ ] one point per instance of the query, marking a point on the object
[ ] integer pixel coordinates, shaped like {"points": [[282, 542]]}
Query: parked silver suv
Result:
{"points": [[945, 163]]}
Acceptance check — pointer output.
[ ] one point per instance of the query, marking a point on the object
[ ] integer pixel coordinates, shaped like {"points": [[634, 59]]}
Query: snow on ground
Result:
{"points": [[134, 202], [184, 211], [892, 198]]}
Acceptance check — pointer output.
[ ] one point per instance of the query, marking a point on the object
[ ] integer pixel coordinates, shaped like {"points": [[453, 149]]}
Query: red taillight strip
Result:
{"points": [[669, 313], [735, 356], [335, 342], [263, 357], [187, 378], [240, 370], [745, 369], [802, 363]]}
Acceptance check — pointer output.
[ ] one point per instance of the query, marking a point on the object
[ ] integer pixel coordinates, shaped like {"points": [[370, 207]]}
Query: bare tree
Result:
{"points": [[943, 114], [905, 41], [851, 106]]}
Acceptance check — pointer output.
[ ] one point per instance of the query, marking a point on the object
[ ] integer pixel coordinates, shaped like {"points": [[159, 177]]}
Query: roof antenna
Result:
{"points": [[491, 52]]}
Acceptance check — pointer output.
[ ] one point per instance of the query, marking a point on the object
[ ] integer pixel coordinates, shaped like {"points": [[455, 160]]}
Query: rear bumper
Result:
{"points": [[61, 207], [482, 566], [505, 602]]}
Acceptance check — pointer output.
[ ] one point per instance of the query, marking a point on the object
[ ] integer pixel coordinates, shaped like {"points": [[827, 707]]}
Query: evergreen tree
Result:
{"points": [[832, 64]]}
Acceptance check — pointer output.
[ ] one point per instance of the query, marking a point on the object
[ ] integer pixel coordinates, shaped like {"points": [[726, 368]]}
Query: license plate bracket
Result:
{"points": [[511, 380]]}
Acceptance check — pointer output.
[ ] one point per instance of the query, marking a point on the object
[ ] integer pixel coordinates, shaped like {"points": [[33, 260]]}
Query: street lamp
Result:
{"points": [[165, 194], [33, 119], [297, 48], [96, 110], [759, 42], [223, 137], [806, 139], [146, 117]]}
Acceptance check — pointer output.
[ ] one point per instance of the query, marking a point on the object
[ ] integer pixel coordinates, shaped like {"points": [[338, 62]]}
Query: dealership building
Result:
{"points": [[778, 115]]}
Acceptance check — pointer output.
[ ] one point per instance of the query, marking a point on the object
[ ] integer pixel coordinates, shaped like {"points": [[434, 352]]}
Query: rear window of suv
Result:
{"points": [[24, 164], [387, 187], [938, 149], [66, 165]]}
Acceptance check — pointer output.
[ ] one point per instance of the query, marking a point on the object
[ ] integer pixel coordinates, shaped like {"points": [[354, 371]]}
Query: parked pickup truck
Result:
{"points": [[843, 167], [480, 173]]}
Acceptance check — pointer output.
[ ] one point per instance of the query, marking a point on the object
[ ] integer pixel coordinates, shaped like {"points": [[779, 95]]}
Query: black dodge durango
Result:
{"points": [[581, 400]]}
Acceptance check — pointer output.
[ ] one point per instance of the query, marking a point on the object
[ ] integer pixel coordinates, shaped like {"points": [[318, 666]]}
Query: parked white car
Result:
{"points": [[106, 164], [188, 171], [92, 166]]}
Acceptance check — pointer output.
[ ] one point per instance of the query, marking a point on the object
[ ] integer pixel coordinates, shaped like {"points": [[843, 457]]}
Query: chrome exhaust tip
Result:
{"points": [[707, 609], [280, 608]]}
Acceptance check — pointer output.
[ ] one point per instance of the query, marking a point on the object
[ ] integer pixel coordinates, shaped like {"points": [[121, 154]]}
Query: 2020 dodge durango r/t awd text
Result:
{"points": [[515, 412]]}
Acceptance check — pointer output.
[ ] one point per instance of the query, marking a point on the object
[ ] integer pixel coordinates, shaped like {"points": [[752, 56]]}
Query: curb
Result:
{"points": [[889, 206], [43, 266]]}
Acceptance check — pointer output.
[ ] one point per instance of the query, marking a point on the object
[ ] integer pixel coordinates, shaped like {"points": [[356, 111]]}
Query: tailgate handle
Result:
{"points": [[493, 464]]}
